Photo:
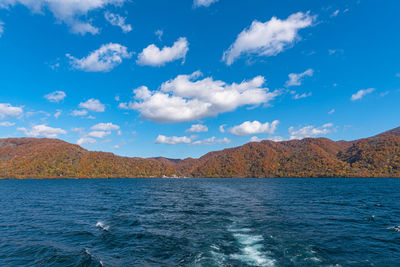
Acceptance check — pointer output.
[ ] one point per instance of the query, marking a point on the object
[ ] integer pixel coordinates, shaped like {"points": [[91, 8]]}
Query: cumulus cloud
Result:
{"points": [[197, 128], [187, 98], [117, 20], [7, 124], [361, 93], [310, 131], [93, 105], [270, 138], [7, 110], [212, 141], [222, 128], [42, 131], [77, 112], [153, 56], [56, 96], [254, 127], [99, 134], [70, 12], [172, 140], [206, 3], [104, 59], [295, 79], [105, 127], [269, 38], [85, 140]]}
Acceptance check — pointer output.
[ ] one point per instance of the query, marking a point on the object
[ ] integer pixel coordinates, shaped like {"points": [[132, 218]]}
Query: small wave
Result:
{"points": [[102, 226], [395, 228]]}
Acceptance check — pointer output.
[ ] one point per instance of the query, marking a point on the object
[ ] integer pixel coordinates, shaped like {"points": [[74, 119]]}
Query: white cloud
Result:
{"points": [[55, 96], [295, 79], [42, 131], [206, 3], [78, 129], [172, 140], [1, 28], [70, 12], [222, 128], [254, 127], [159, 34], [310, 131], [269, 38], [270, 138], [58, 113], [303, 95], [153, 56], [7, 110], [331, 111], [105, 127], [117, 20], [197, 128], [93, 105], [86, 140], [7, 124], [212, 141], [116, 147], [104, 59], [186, 98], [361, 93], [83, 112], [335, 13], [99, 134]]}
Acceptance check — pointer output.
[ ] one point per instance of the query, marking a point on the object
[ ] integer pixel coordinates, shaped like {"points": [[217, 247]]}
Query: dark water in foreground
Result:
{"points": [[207, 222]]}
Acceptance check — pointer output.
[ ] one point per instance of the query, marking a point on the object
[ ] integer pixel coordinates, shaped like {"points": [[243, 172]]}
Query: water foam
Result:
{"points": [[251, 250], [102, 226]]}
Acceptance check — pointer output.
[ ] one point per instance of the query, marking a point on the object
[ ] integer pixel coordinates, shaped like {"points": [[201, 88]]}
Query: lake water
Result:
{"points": [[200, 222]]}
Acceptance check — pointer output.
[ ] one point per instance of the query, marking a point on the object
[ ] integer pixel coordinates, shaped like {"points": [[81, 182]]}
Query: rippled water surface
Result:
{"points": [[200, 222]]}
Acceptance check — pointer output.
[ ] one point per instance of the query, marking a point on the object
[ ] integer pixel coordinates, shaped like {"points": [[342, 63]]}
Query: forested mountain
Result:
{"points": [[377, 156]]}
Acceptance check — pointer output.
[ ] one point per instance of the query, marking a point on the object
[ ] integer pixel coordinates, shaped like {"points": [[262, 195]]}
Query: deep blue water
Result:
{"points": [[200, 222]]}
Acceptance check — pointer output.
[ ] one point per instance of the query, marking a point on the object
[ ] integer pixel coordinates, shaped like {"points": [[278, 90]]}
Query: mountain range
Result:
{"points": [[377, 156]]}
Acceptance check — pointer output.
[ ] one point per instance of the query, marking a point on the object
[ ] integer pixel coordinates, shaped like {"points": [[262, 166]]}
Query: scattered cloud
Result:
{"points": [[212, 141], [310, 131], [186, 98], [335, 13], [197, 128], [295, 79], [361, 93], [335, 51], [85, 140], [1, 28], [269, 38], [99, 134], [93, 105], [7, 110], [331, 111], [303, 95], [7, 124], [58, 113], [172, 140], [42, 131], [77, 112], [117, 20], [105, 127], [56, 96], [104, 59], [205, 3], [254, 127], [153, 56], [116, 147], [270, 138], [222, 128], [159, 34], [69, 12]]}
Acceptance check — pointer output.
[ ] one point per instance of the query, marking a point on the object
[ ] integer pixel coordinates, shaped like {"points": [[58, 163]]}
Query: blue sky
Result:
{"points": [[182, 78]]}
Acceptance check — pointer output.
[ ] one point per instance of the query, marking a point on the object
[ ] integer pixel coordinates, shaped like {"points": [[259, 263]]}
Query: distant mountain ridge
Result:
{"points": [[377, 156]]}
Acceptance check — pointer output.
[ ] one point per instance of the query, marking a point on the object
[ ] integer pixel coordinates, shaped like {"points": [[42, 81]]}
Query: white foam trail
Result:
{"points": [[251, 250], [102, 226], [395, 228]]}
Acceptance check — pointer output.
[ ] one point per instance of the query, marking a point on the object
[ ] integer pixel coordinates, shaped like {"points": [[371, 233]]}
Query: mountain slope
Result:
{"points": [[377, 156]]}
